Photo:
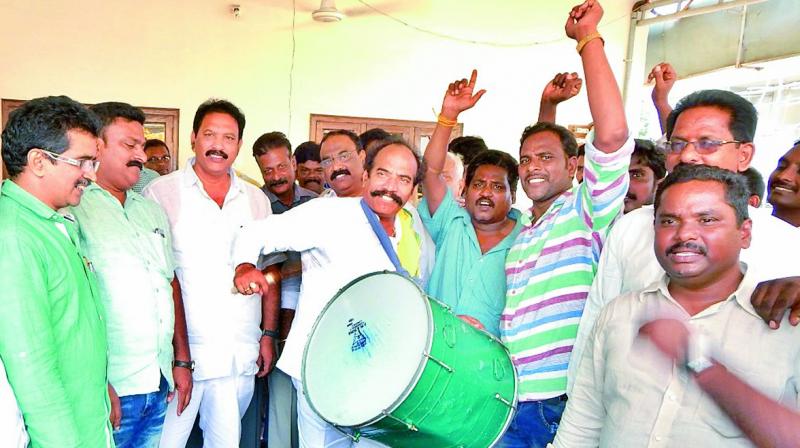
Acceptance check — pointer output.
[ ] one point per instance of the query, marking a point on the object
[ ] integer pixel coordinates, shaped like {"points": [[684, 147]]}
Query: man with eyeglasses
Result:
{"points": [[158, 157], [715, 128], [129, 240], [52, 333], [342, 160]]}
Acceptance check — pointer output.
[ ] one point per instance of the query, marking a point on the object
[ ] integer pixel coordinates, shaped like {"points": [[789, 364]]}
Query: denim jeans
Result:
{"points": [[535, 423], [142, 418]]}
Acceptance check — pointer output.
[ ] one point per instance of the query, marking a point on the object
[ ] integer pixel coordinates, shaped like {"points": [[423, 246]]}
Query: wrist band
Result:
{"points": [[271, 333], [444, 121], [588, 38]]}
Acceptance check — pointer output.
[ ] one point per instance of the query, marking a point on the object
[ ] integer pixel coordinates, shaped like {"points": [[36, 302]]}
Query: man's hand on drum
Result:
{"points": [[248, 280], [472, 321]]}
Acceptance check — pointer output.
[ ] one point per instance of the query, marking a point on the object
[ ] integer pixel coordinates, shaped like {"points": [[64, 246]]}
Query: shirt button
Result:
{"points": [[658, 438], [672, 397]]}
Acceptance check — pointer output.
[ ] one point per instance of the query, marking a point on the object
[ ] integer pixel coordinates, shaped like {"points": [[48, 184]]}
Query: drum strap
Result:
{"points": [[384, 239]]}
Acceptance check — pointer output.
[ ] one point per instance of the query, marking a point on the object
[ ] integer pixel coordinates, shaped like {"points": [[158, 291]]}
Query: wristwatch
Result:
{"points": [[185, 364], [698, 354]]}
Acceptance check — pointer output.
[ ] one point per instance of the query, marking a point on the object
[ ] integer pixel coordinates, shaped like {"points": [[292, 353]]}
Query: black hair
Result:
{"points": [[737, 194], [467, 147], [651, 156], [568, 143], [395, 140], [111, 110], [154, 143], [499, 159], [271, 140], [372, 135], [755, 182], [214, 105], [43, 123], [306, 151], [347, 133], [582, 149], [744, 116]]}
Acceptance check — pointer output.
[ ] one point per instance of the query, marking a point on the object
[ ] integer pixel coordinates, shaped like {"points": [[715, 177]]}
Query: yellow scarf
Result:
{"points": [[408, 248]]}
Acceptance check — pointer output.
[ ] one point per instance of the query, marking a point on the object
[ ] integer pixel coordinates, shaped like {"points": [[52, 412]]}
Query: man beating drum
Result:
{"points": [[361, 235]]}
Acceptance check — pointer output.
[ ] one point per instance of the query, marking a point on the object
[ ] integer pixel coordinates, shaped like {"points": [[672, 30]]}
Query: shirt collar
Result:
{"points": [[527, 218], [190, 177], [130, 195], [742, 295], [16, 193]]}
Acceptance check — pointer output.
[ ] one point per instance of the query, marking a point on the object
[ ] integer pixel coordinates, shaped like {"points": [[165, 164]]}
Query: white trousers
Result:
{"points": [[221, 403], [314, 432]]}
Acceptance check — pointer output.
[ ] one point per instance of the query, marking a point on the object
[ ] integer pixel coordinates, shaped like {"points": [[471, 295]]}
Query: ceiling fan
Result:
{"points": [[327, 12]]}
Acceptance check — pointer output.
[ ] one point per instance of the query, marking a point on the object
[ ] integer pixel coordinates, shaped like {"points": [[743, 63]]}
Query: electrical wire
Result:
{"points": [[474, 41], [291, 67]]}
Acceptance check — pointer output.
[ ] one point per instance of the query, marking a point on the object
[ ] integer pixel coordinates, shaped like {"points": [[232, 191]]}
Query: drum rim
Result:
{"points": [[420, 367]]}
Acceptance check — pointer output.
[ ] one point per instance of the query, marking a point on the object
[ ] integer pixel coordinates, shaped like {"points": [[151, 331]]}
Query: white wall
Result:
{"points": [[178, 53]]}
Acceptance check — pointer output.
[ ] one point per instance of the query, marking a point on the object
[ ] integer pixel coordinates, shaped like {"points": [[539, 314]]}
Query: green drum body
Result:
{"points": [[400, 368]]}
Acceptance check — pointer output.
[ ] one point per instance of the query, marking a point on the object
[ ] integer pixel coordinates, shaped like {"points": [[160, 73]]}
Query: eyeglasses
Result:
{"points": [[702, 146], [341, 158], [86, 165], [165, 158]]}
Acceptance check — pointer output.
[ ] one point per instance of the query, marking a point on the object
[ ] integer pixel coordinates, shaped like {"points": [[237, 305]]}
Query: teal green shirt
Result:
{"points": [[52, 336], [465, 279], [131, 249]]}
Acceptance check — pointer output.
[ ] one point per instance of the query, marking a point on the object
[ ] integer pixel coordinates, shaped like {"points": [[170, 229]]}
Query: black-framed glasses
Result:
{"points": [[341, 158], [702, 146], [164, 158], [86, 165]]}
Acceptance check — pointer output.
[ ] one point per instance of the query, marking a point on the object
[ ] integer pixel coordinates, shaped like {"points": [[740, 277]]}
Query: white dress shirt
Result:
{"points": [[628, 262], [337, 245], [12, 428], [224, 328], [626, 394]]}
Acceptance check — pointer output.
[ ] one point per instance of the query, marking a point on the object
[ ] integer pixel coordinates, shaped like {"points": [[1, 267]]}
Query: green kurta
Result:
{"points": [[52, 337]]}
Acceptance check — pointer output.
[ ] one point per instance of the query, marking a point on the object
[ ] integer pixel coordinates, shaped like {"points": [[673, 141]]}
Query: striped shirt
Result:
{"points": [[550, 268]]}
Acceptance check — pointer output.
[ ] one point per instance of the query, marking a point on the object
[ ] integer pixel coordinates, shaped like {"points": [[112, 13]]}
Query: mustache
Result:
{"points": [[309, 180], [275, 183], [782, 184], [388, 193], [216, 152], [688, 246], [341, 171], [631, 196], [135, 163]]}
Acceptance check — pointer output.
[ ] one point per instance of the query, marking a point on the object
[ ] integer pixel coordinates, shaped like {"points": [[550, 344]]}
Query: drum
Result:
{"points": [[400, 368]]}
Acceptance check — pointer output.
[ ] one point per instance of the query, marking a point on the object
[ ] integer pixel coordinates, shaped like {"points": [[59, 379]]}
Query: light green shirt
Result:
{"points": [[131, 249], [469, 281], [52, 336]]}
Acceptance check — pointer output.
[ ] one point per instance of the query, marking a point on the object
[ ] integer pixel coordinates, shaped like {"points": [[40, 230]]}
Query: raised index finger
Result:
{"points": [[473, 77]]}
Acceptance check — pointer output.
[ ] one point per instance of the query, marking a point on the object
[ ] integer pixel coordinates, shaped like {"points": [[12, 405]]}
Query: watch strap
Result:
{"points": [[184, 364]]}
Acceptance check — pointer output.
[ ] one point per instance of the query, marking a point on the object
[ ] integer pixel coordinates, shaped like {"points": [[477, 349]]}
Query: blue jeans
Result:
{"points": [[535, 423], [142, 418]]}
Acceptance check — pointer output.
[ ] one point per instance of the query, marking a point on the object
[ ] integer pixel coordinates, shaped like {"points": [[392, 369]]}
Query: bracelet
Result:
{"points": [[588, 38], [444, 121], [271, 333]]}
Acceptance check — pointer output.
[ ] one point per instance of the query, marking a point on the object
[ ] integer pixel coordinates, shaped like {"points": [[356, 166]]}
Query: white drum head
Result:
{"points": [[365, 353]]}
